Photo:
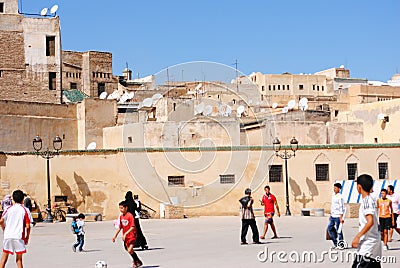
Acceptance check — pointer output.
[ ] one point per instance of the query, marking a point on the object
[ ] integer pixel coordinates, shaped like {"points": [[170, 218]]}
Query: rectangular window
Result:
{"points": [[283, 87], [101, 87], [1, 7], [129, 139], [275, 173], [273, 87], [322, 88], [288, 87], [227, 179], [313, 87], [317, 88], [50, 45], [262, 88], [383, 170], [279, 87], [351, 171], [52, 81], [269, 87], [301, 87], [176, 181], [322, 172], [73, 86], [1, 73]]}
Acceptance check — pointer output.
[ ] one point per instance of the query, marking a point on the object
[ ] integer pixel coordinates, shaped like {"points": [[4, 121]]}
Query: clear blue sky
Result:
{"points": [[263, 35]]}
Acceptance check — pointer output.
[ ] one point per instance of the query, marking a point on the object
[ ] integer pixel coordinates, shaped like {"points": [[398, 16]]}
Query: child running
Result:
{"points": [[386, 218], [127, 225], [80, 233], [16, 226]]}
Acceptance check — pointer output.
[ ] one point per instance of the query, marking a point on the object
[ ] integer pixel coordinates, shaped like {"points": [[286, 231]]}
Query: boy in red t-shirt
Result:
{"points": [[127, 225], [269, 201]]}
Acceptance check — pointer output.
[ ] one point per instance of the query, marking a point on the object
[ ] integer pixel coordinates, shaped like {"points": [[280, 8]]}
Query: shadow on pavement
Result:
{"points": [[148, 249]]}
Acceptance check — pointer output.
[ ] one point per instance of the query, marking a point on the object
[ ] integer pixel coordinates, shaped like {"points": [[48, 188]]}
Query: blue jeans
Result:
{"points": [[80, 240], [332, 230]]}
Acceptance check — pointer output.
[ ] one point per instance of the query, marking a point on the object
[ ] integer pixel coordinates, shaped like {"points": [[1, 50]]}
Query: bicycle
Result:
{"points": [[59, 215]]}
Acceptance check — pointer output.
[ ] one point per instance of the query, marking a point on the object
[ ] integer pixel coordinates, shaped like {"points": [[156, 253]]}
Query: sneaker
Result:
{"points": [[385, 247], [257, 242], [145, 247], [243, 243], [138, 263], [73, 248]]}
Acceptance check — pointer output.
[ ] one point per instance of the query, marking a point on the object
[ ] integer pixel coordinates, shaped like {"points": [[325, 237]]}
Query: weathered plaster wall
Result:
{"points": [[96, 182]]}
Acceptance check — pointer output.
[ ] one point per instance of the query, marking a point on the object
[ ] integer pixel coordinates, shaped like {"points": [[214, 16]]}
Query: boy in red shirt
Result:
{"points": [[269, 201], [127, 225]]}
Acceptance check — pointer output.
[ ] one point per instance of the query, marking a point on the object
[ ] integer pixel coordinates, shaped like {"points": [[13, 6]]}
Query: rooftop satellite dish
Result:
{"points": [[157, 96], [91, 146], [240, 110], [207, 110], [285, 110], [54, 9], [274, 105], [124, 98], [291, 104], [199, 109], [44, 11], [303, 101], [147, 102], [198, 86], [381, 116], [103, 95], [228, 111]]}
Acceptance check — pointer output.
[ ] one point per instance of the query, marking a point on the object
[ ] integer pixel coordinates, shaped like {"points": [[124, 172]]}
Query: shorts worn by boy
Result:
{"points": [[16, 218]]}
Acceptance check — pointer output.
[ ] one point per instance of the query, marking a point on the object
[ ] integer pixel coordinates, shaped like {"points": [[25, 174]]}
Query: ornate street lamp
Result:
{"points": [[294, 145], [57, 145]]}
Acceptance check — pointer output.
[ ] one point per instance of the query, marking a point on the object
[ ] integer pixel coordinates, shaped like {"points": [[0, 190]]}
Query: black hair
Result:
{"points": [[81, 216], [338, 185], [135, 196], [18, 196], [391, 187], [128, 196], [123, 203], [384, 190], [267, 187], [366, 182], [247, 191]]}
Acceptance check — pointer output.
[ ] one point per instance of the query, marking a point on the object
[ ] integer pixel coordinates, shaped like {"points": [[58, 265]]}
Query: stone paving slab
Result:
{"points": [[192, 242]]}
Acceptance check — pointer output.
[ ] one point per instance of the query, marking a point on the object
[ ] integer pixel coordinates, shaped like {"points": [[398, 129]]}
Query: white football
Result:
{"points": [[100, 264]]}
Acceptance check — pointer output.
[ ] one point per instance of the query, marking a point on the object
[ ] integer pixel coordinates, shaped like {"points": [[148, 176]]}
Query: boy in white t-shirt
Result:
{"points": [[16, 226], [368, 239]]}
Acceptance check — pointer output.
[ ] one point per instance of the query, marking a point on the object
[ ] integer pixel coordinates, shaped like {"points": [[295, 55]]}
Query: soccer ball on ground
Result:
{"points": [[100, 264]]}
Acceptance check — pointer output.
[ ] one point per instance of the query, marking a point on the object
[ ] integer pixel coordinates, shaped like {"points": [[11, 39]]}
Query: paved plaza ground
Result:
{"points": [[192, 242]]}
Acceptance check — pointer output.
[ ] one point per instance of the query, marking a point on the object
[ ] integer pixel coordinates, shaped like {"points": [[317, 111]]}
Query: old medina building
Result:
{"points": [[186, 148]]}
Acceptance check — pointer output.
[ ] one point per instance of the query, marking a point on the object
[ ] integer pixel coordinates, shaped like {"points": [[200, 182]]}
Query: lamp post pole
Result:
{"points": [[285, 155], [37, 145]]}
